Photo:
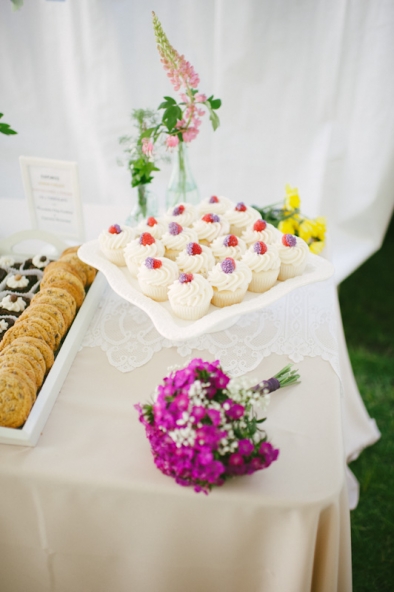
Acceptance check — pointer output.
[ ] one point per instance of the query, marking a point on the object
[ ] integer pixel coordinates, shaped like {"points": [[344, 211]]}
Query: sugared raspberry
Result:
{"points": [[152, 263], [213, 199], [178, 210], [174, 228], [289, 240], [193, 249], [115, 229], [230, 241], [151, 221], [185, 278], [260, 248], [240, 207], [228, 265], [211, 218], [260, 225], [146, 239]]}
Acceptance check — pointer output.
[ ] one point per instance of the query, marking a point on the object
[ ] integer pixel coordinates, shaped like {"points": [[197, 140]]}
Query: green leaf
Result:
{"points": [[214, 119], [170, 100], [6, 129], [147, 133], [215, 103], [171, 115], [1, 115]]}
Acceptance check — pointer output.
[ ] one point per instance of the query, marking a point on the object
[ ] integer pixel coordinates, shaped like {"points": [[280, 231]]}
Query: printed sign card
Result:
{"points": [[52, 191]]}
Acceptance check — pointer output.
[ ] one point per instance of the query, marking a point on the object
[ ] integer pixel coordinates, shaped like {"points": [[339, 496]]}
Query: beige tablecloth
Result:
{"points": [[87, 511]]}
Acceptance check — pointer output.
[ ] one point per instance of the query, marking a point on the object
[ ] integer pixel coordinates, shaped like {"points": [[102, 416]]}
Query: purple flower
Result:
{"points": [[198, 413], [236, 460], [245, 447], [236, 411], [214, 416]]}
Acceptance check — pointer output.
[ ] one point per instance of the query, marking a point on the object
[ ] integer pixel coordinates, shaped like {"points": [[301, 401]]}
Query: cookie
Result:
{"points": [[73, 249], [30, 329], [51, 310], [66, 280], [15, 400], [27, 362], [24, 374], [33, 354], [67, 267], [42, 347], [83, 268], [38, 315], [43, 327], [59, 298]]}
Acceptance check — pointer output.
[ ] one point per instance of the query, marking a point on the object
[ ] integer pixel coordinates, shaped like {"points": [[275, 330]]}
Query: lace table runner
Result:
{"points": [[303, 323]]}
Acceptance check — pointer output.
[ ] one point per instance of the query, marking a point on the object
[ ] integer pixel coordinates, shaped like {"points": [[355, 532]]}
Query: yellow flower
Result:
{"points": [[320, 228], [292, 200], [306, 230], [317, 246], [287, 226]]}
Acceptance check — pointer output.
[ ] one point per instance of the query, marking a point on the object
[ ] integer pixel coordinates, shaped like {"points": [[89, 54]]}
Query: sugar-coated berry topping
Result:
{"points": [[213, 199], [193, 249], [240, 207], [178, 210], [146, 239], [151, 221], [185, 278], [228, 265], [230, 241], [174, 228], [115, 229], [260, 225], [211, 218], [289, 240], [152, 263], [260, 248]]}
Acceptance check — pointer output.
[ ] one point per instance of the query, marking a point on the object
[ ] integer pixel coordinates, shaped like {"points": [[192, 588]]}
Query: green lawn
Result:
{"points": [[367, 305]]}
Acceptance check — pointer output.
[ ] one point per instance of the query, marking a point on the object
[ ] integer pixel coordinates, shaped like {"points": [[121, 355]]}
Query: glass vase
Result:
{"points": [[145, 205], [182, 186]]}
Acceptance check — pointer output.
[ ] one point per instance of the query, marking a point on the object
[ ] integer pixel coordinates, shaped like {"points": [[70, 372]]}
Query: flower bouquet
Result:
{"points": [[287, 217], [205, 428]]}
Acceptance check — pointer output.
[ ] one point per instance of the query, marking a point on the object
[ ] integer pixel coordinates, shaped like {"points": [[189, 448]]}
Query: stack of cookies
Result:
{"points": [[29, 346]]}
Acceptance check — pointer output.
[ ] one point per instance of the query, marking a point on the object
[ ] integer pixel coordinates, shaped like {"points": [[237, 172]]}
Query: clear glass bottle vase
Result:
{"points": [[182, 186], [145, 205]]}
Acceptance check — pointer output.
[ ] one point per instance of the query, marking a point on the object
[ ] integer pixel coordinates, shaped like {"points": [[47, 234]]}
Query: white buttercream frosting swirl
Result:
{"points": [[135, 253], [162, 276], [199, 263], [39, 263], [222, 205], [116, 241], [239, 278], [7, 260], [293, 255], [269, 235], [194, 293], [157, 230], [18, 306], [15, 283], [210, 230], [220, 250], [177, 242], [242, 219], [262, 262], [3, 325], [186, 218]]}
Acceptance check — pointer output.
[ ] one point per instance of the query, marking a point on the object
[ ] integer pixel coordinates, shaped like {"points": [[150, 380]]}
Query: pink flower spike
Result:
{"points": [[200, 98], [172, 141], [147, 147]]}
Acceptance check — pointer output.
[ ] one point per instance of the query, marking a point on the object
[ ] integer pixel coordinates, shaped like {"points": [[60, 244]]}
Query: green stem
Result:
{"points": [[142, 200]]}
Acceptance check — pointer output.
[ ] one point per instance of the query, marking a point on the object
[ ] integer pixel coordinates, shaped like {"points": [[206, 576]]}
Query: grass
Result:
{"points": [[367, 303]]}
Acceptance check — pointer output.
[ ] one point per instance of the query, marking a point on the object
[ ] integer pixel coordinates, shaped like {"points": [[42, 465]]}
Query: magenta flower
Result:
{"points": [[245, 447], [172, 141]]}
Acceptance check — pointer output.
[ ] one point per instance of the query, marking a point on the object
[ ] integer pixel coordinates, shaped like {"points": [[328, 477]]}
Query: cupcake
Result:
{"points": [[215, 205], [228, 246], [230, 280], [240, 217], [176, 239], [264, 263], [209, 227], [155, 227], [293, 253], [155, 275], [184, 214], [190, 296], [21, 283], [139, 249], [113, 242], [261, 231], [14, 305], [196, 258]]}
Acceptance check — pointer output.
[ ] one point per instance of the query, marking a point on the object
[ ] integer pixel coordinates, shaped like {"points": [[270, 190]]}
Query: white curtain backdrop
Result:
{"points": [[307, 89]]}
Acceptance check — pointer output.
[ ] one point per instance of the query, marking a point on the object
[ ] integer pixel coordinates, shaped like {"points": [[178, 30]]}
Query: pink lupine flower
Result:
{"points": [[147, 147], [190, 134], [200, 98], [172, 141]]}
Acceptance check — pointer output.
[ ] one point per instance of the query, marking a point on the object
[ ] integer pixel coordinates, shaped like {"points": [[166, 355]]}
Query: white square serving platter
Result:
{"points": [[217, 319], [29, 434]]}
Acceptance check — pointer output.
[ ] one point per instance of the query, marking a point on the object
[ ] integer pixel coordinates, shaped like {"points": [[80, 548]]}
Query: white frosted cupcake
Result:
{"points": [[215, 205], [209, 227], [230, 280], [176, 239], [184, 214], [155, 275], [139, 249], [228, 246], [264, 263], [113, 242], [195, 258], [294, 253], [155, 227], [190, 296], [240, 217], [261, 231]]}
